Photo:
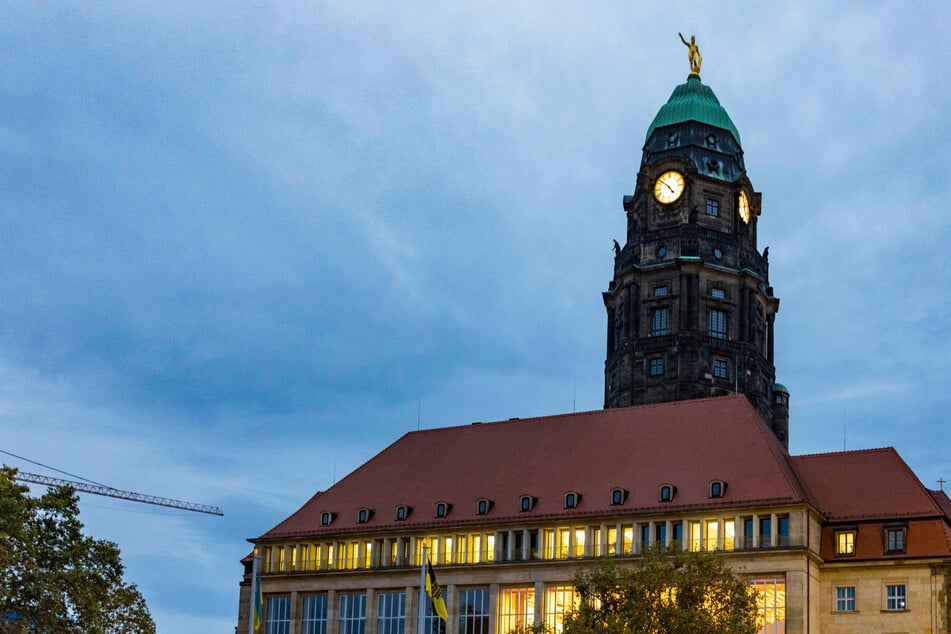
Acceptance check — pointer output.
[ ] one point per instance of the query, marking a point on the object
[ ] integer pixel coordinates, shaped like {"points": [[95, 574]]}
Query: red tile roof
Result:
{"points": [[864, 485], [686, 443]]}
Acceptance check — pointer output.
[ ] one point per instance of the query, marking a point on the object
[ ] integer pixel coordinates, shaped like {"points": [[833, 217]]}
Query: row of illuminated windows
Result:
{"points": [[716, 322], [893, 598], [893, 537], [516, 607], [562, 542]]}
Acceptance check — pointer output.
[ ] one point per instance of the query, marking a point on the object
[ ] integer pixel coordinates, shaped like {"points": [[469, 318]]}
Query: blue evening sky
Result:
{"points": [[244, 247]]}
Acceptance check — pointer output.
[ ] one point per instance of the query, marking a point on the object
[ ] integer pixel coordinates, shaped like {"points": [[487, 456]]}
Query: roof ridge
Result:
{"points": [[838, 453], [518, 419]]}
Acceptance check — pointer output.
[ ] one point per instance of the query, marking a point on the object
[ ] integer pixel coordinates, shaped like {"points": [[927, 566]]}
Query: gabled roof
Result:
{"points": [[865, 485], [686, 443]]}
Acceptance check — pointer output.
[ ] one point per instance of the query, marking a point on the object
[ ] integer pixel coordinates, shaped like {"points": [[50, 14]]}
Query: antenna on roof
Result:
{"points": [[419, 409], [574, 394], [843, 432]]}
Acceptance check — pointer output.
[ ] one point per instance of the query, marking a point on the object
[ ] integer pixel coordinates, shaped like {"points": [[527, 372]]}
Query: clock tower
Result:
{"points": [[690, 310]]}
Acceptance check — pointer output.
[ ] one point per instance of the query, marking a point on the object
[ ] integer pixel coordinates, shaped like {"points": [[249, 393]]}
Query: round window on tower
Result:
{"points": [[661, 251]]}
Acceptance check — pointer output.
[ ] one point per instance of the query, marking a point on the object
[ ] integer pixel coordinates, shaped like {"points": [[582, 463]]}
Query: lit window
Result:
{"points": [[718, 323], [661, 291], [527, 502], [560, 600], [516, 609], [660, 322], [713, 207], [845, 543], [657, 367], [716, 489], [617, 497], [720, 368], [402, 512], [895, 597], [666, 493], [770, 604], [845, 599], [718, 293], [895, 540]]}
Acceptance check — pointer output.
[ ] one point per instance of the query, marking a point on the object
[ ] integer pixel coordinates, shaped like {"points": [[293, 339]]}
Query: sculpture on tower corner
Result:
{"points": [[693, 55]]}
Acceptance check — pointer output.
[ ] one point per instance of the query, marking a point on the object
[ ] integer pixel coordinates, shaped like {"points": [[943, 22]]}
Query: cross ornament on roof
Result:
{"points": [[941, 482]]}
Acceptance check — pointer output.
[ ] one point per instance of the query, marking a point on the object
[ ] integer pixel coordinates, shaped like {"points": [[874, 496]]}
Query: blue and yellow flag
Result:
{"points": [[435, 592], [258, 602]]}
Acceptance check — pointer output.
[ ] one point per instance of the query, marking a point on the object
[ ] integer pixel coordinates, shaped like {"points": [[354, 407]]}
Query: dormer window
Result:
{"points": [[667, 492], [402, 512], [364, 515], [443, 508], [618, 496], [717, 488], [527, 503], [895, 538], [483, 506], [326, 518], [572, 499]]}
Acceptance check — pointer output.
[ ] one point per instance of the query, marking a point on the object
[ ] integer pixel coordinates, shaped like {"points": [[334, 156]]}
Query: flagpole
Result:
{"points": [[422, 593], [255, 568]]}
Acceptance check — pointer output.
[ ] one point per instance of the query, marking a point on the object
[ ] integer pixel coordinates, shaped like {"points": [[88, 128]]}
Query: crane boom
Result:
{"points": [[97, 489]]}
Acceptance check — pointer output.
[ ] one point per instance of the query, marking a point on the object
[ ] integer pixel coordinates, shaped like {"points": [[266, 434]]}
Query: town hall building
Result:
{"points": [[690, 451]]}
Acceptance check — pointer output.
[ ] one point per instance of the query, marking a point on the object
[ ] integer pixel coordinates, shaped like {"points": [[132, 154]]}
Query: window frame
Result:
{"points": [[483, 506], [443, 509], [845, 548], [666, 493], [572, 499], [618, 496], [712, 207], [897, 602], [718, 323], [721, 369], [844, 599], [526, 503], [717, 489], [327, 518], [660, 321], [655, 366], [887, 536]]}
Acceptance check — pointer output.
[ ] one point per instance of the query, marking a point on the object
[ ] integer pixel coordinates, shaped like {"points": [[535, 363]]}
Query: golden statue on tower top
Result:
{"points": [[693, 55]]}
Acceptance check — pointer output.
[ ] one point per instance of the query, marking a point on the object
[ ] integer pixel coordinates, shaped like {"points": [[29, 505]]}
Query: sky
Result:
{"points": [[246, 246]]}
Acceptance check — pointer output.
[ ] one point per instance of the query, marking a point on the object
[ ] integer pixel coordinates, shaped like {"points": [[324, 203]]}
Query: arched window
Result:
{"points": [[717, 489], [326, 518], [618, 496], [667, 492], [443, 508], [402, 512], [483, 506], [527, 503], [571, 500]]}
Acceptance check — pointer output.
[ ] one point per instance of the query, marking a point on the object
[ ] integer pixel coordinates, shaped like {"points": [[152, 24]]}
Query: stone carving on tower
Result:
{"points": [[690, 309]]}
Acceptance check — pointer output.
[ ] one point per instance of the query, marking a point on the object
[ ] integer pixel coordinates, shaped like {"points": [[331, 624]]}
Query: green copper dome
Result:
{"points": [[693, 101]]}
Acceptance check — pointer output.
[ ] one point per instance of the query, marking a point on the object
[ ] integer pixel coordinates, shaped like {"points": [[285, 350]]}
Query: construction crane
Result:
{"points": [[98, 489]]}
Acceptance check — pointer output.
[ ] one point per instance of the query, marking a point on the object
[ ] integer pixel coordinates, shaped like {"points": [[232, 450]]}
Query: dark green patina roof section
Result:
{"points": [[694, 101]]}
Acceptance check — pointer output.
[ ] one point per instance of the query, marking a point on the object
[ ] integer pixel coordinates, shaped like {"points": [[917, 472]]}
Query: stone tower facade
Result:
{"points": [[690, 310]]}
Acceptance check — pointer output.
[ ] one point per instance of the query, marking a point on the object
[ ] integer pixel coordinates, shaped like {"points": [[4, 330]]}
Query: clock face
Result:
{"points": [[744, 207], [669, 187]]}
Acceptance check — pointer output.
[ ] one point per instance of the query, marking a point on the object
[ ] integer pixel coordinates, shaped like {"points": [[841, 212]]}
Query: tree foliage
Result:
{"points": [[55, 579], [673, 591]]}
